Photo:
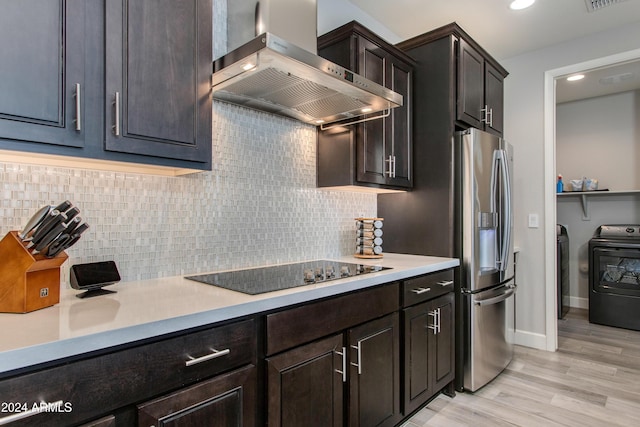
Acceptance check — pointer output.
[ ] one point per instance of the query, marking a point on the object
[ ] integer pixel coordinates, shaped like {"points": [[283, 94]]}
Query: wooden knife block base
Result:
{"points": [[27, 282]]}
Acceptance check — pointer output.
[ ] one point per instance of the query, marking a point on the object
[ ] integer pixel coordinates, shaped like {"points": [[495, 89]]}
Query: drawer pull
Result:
{"points": [[445, 283], [33, 411], [195, 360], [419, 291]]}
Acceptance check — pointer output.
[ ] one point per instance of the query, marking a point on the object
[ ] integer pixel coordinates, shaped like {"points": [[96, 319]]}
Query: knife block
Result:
{"points": [[27, 282]]}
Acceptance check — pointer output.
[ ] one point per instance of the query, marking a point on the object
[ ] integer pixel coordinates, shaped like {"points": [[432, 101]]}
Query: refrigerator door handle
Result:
{"points": [[495, 300], [505, 216]]}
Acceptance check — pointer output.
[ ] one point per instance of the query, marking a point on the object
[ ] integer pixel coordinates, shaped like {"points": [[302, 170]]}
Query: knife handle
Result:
{"points": [[65, 241], [50, 236], [45, 226], [71, 213], [56, 246], [73, 223], [62, 207], [34, 221]]}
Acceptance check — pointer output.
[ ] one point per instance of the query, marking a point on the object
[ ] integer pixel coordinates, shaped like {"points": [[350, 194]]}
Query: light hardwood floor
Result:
{"points": [[592, 380]]}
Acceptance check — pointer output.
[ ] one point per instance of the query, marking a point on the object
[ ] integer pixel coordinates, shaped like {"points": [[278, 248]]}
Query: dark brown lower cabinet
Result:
{"points": [[108, 421], [307, 385], [228, 400], [428, 350], [374, 373]]}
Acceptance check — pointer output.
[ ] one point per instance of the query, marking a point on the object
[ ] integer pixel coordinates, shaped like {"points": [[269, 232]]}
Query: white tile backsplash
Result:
{"points": [[258, 205]]}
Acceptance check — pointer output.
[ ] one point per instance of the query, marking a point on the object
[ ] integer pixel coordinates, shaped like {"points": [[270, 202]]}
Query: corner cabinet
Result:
{"points": [[68, 61], [376, 153]]}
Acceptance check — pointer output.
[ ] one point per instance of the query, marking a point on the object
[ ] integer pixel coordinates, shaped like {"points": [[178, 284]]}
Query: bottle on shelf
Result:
{"points": [[559, 185]]}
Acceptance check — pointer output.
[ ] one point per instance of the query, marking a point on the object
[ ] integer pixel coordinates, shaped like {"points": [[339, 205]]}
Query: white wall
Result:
{"points": [[598, 138], [525, 129]]}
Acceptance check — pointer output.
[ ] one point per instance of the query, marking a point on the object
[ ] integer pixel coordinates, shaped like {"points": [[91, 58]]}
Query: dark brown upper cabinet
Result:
{"points": [[376, 153], [43, 77], [480, 90], [66, 62], [158, 78]]}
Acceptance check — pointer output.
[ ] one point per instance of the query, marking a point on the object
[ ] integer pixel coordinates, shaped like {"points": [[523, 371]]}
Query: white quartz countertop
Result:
{"points": [[149, 308]]}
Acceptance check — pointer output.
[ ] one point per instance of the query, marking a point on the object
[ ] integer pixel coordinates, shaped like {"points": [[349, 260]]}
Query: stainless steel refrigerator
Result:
{"points": [[484, 167], [461, 207]]}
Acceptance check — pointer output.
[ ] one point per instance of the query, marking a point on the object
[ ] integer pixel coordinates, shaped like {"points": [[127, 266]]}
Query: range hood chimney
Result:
{"points": [[266, 71]]}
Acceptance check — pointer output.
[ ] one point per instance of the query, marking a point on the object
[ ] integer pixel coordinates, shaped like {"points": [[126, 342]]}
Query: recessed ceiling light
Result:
{"points": [[575, 77], [521, 4]]}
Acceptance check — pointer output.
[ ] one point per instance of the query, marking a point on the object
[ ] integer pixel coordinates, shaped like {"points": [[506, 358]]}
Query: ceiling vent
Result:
{"points": [[595, 5]]}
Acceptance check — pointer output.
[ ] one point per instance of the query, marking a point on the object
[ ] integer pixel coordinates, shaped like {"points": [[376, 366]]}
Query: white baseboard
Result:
{"points": [[530, 339], [578, 302]]}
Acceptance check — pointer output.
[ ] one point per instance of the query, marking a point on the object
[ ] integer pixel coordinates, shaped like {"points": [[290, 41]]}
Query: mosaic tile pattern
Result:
{"points": [[258, 206]]}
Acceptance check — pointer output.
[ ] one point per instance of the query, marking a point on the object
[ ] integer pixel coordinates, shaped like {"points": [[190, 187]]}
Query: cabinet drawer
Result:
{"points": [[296, 326], [426, 287], [95, 386]]}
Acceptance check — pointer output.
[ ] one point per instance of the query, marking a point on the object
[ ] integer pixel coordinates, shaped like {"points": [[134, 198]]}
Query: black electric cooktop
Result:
{"points": [[268, 279]]}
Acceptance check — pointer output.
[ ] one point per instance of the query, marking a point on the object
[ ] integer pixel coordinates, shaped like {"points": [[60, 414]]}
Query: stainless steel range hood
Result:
{"points": [[272, 74]]}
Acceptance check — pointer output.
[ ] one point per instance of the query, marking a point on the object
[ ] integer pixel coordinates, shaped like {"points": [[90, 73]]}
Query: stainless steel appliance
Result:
{"points": [[487, 288], [614, 276], [460, 206], [260, 280], [266, 71]]}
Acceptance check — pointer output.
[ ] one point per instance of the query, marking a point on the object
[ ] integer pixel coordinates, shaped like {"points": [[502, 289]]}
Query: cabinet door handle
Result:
{"points": [[116, 125], [77, 96], [488, 115], [438, 317], [216, 353], [419, 291], [434, 326], [344, 364], [445, 283], [394, 167], [389, 172], [359, 364], [35, 409]]}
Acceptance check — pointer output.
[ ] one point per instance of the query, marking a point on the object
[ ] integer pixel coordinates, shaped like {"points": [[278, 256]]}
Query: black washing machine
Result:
{"points": [[562, 267], [614, 276]]}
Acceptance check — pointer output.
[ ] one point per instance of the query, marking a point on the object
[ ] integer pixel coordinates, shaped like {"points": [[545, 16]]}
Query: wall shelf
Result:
{"points": [[584, 196]]}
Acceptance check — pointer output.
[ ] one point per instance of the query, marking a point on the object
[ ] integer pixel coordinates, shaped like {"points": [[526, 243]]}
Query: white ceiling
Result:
{"points": [[501, 31], [505, 33]]}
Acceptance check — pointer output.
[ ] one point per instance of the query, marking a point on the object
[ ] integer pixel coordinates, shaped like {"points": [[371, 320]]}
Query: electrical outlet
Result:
{"points": [[533, 220]]}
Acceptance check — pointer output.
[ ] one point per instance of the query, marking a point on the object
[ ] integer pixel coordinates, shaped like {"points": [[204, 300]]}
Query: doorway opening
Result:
{"points": [[609, 66]]}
